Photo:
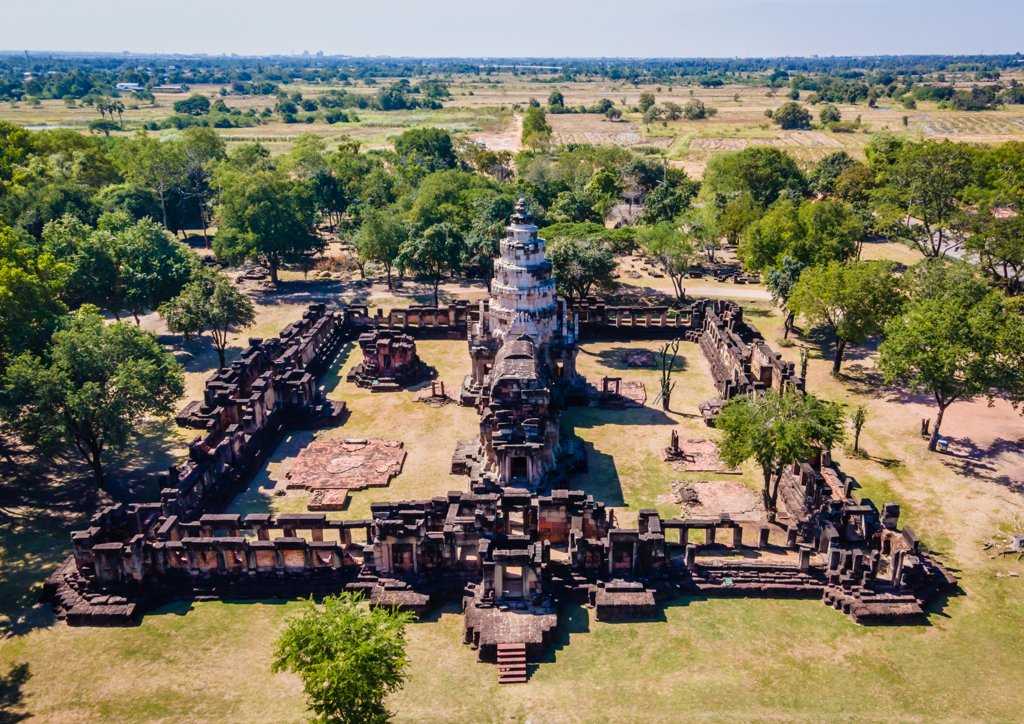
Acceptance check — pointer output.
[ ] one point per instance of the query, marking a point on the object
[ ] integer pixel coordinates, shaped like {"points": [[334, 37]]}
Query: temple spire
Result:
{"points": [[521, 215]]}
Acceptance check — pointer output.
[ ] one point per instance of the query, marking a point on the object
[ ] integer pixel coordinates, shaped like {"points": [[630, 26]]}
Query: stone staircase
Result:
{"points": [[756, 580], [511, 663], [864, 604]]}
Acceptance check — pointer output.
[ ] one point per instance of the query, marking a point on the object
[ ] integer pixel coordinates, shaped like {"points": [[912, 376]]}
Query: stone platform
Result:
{"points": [[329, 469]]}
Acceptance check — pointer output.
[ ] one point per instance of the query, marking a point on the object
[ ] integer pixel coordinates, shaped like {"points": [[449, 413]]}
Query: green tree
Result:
{"points": [[762, 172], [671, 249], [99, 383], [536, 131], [99, 125], [434, 253], [265, 216], [858, 418], [154, 164], [194, 105], [30, 285], [152, 267], [852, 300], [792, 116], [556, 100], [827, 171], [209, 302], [380, 238], [777, 430], [830, 114], [780, 280], [695, 110], [646, 102], [997, 242], [202, 149], [956, 339], [348, 656], [811, 232], [668, 200], [923, 201], [426, 149], [580, 267], [121, 265]]}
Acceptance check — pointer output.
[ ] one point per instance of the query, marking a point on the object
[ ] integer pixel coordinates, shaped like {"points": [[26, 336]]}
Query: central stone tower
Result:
{"points": [[523, 301], [523, 350]]}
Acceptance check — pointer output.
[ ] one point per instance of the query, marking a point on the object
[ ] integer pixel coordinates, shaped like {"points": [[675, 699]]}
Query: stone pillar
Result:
{"points": [[711, 532], [835, 558], [737, 537], [691, 555], [805, 559], [897, 568], [762, 537], [684, 535], [791, 537]]}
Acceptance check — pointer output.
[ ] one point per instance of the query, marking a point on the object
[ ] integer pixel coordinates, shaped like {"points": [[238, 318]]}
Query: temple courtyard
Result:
{"points": [[712, 659]]}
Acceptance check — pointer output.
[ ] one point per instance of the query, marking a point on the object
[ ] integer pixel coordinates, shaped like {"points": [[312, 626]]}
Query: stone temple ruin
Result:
{"points": [[389, 362], [518, 546]]}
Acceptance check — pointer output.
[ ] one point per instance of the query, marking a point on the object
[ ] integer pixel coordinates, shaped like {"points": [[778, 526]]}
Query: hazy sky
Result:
{"points": [[517, 27]]}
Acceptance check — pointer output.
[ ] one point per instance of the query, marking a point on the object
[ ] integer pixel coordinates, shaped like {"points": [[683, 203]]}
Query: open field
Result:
{"points": [[714, 660], [486, 109]]}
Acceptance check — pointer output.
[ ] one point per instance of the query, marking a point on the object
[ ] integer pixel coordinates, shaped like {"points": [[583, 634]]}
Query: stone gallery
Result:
{"points": [[519, 545]]}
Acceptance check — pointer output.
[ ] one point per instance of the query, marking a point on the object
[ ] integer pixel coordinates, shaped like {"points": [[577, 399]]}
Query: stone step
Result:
{"points": [[512, 647]]}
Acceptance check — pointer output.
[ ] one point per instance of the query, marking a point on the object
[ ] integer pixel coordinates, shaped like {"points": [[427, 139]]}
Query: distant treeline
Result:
{"points": [[72, 75]]}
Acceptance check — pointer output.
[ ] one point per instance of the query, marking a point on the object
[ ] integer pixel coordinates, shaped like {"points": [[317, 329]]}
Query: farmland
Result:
{"points": [[488, 110]]}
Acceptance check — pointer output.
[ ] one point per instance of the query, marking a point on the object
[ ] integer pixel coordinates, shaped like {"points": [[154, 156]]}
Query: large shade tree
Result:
{"points": [[98, 384], [852, 300], [581, 266], [957, 339], [671, 249], [210, 302], [924, 199], [380, 239], [776, 430], [266, 216]]}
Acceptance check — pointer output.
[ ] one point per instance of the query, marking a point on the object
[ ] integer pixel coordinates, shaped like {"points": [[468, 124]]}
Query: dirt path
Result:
{"points": [[508, 138]]}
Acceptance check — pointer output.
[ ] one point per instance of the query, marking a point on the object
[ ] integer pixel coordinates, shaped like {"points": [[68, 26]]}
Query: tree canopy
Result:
{"points": [[98, 384], [265, 216], [210, 302], [853, 300], [349, 657], [776, 430], [956, 339], [581, 266], [671, 249]]}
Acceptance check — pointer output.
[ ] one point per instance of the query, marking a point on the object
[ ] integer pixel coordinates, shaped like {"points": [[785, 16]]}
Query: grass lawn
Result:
{"points": [[707, 659]]}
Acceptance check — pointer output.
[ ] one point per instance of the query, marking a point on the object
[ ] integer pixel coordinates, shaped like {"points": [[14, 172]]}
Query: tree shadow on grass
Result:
{"points": [[824, 341], [967, 458], [619, 358], [589, 417], [251, 499], [305, 291], [39, 505], [867, 381], [12, 697], [197, 354]]}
